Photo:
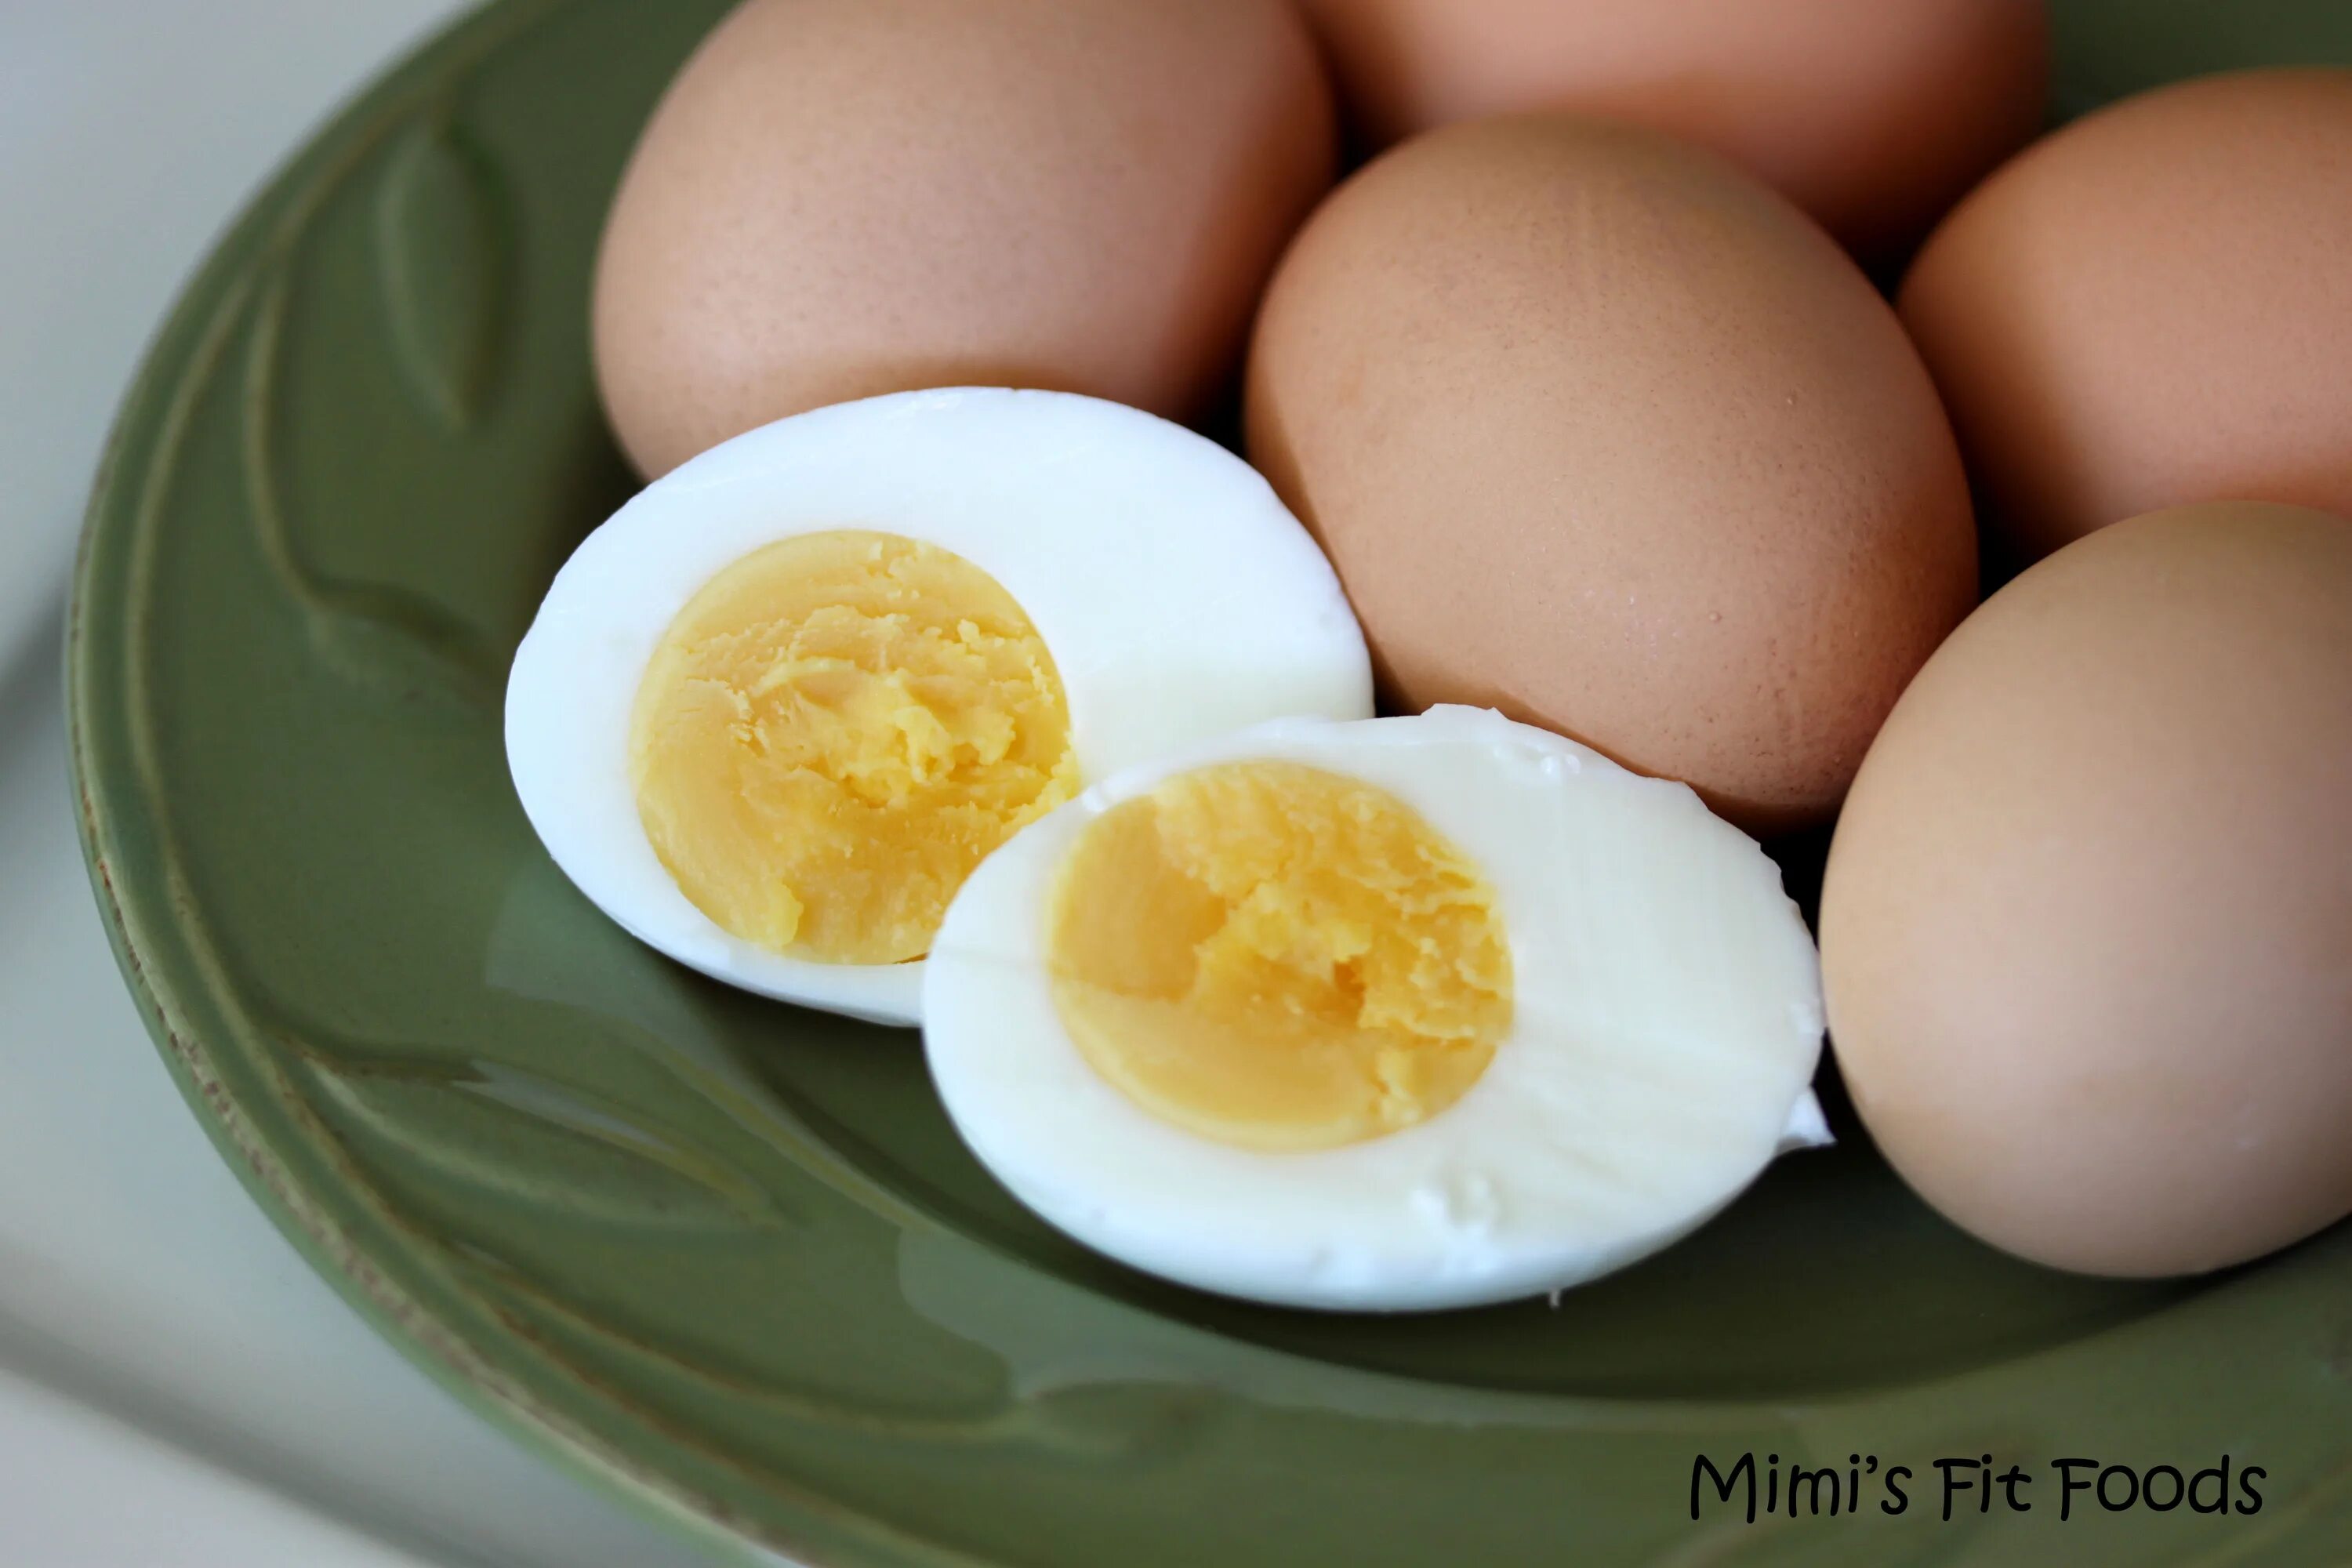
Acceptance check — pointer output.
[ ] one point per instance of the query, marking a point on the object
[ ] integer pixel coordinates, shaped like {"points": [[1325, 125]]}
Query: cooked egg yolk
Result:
{"points": [[1278, 957], [834, 731]]}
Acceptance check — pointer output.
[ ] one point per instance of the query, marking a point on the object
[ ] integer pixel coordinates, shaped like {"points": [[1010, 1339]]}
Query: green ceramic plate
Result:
{"points": [[728, 1257]]}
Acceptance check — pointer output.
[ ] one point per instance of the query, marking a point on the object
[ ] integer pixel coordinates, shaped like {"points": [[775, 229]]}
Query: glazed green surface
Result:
{"points": [[729, 1257]]}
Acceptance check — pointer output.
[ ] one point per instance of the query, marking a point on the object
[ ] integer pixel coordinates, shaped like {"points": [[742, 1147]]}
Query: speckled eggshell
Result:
{"points": [[2153, 307], [2087, 933], [1874, 115], [1601, 432], [839, 198]]}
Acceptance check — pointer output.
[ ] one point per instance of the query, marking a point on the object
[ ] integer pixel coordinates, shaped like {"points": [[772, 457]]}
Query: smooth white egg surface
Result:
{"points": [[1038, 590], [1651, 997]]}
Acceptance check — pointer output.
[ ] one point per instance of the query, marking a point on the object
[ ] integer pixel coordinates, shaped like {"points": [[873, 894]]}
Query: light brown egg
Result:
{"points": [[2086, 934], [2152, 306], [839, 198], [1874, 115], [1601, 432]]}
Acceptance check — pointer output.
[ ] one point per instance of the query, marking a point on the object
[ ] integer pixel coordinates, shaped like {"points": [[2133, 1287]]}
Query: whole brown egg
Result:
{"points": [[838, 199], [2086, 931], [1874, 115], [1601, 432], [2152, 306]]}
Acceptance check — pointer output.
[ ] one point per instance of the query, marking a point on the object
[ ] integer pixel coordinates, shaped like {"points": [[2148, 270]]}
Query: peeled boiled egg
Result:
{"points": [[1393, 1014], [773, 712]]}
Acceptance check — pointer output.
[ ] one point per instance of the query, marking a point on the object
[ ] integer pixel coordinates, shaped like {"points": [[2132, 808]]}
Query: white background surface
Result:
{"points": [[176, 1388]]}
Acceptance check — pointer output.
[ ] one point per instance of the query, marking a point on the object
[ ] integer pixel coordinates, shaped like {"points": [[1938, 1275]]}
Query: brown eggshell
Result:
{"points": [[2153, 307], [1601, 432], [1874, 115], [2086, 935], [839, 198]]}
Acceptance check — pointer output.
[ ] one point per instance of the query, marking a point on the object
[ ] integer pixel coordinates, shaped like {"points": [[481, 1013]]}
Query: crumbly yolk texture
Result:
{"points": [[1278, 957], [834, 731]]}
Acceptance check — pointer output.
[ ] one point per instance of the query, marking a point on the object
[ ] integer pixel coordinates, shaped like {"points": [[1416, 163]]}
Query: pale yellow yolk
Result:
{"points": [[1278, 957], [834, 731]]}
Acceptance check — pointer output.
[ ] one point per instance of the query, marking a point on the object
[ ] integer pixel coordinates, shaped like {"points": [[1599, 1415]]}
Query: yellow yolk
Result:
{"points": [[834, 731], [1278, 957]]}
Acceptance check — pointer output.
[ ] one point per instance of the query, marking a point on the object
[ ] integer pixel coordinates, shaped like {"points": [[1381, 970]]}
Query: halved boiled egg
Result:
{"points": [[771, 714], [1395, 1013]]}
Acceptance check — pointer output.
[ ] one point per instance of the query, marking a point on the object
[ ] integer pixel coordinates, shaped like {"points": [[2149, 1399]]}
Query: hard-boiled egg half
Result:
{"points": [[1395, 1013], [771, 714]]}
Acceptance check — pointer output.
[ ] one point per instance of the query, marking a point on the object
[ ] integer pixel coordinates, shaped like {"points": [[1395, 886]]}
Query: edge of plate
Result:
{"points": [[131, 931]]}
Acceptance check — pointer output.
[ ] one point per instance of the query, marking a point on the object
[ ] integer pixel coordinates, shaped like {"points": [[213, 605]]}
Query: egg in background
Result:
{"points": [[2151, 308], [1403, 1013], [2086, 928], [1603, 433], [769, 715], [1872, 115], [841, 198]]}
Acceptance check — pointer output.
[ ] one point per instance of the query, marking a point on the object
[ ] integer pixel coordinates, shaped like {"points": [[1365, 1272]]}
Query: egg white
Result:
{"points": [[1178, 597], [1667, 1023]]}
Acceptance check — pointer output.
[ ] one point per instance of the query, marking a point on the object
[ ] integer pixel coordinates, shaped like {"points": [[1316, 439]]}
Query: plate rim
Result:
{"points": [[166, 363]]}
